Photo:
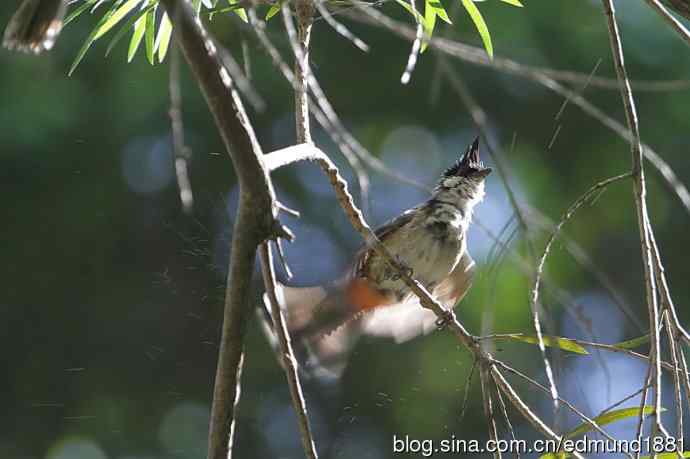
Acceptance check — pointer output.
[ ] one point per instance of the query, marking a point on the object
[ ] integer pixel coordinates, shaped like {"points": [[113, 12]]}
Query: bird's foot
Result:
{"points": [[445, 319], [406, 269]]}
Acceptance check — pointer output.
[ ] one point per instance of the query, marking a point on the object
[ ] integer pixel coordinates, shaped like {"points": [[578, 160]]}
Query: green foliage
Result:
{"points": [[434, 8], [602, 420], [633, 343], [610, 417], [143, 23], [565, 344]]}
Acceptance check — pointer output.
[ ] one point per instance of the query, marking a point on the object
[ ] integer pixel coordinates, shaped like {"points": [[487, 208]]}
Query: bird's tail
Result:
{"points": [[323, 326]]}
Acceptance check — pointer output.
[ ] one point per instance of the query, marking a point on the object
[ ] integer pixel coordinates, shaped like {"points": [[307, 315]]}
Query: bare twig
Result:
{"points": [[288, 355], [181, 152], [640, 191], [672, 21], [466, 390], [486, 381], [594, 190], [338, 27], [416, 47]]}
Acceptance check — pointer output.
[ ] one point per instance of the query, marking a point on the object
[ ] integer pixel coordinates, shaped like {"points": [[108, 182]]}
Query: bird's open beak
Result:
{"points": [[474, 161]]}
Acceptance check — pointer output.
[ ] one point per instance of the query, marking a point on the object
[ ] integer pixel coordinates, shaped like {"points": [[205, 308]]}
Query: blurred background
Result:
{"points": [[111, 297]]}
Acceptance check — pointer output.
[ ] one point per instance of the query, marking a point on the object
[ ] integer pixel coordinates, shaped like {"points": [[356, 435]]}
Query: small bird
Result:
{"points": [[35, 26], [430, 239]]}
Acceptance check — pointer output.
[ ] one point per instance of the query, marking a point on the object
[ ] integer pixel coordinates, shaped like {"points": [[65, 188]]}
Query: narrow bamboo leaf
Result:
{"points": [[239, 11], [667, 455], [429, 23], [163, 39], [559, 455], [272, 11], [125, 28], [409, 9], [440, 10], [208, 4], [551, 341], [479, 23], [139, 29], [92, 37], [514, 3], [609, 417], [116, 17], [633, 343], [149, 36], [77, 11]]}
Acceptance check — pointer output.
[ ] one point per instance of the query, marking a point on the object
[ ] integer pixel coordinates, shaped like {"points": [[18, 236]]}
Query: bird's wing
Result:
{"points": [[408, 319], [382, 232]]}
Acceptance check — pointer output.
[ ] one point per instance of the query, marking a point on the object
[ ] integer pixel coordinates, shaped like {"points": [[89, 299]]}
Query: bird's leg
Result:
{"points": [[445, 318], [406, 269]]}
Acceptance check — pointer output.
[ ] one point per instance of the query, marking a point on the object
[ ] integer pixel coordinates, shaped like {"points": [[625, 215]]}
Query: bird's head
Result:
{"points": [[464, 181]]}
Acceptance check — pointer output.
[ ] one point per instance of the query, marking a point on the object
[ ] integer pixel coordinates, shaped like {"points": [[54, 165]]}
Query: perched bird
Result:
{"points": [[430, 239], [35, 25]]}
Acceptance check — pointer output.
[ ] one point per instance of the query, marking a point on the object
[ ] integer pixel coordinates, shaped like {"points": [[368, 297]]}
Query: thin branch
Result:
{"points": [[416, 47], [640, 192], [677, 393], [338, 27], [489, 404], [256, 215], [181, 152], [672, 21], [506, 418], [466, 391], [594, 190], [289, 361]]}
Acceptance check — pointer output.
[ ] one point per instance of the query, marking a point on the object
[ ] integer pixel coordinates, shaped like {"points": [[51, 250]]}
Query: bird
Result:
{"points": [[35, 26], [430, 239]]}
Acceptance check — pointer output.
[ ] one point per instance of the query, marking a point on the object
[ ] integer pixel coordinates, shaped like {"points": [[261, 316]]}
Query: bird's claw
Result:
{"points": [[445, 318], [406, 270]]}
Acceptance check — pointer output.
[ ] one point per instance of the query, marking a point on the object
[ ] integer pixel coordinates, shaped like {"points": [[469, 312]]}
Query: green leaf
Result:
{"points": [[559, 455], [139, 29], [609, 417], [440, 10], [428, 23], [74, 14], [128, 25], [272, 11], [92, 37], [239, 11], [116, 17], [514, 3], [667, 455], [149, 36], [163, 39], [563, 343], [418, 16], [479, 23], [632, 343]]}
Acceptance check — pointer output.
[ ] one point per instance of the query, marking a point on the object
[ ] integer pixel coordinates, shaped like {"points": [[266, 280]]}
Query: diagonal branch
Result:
{"points": [[640, 195], [287, 353]]}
